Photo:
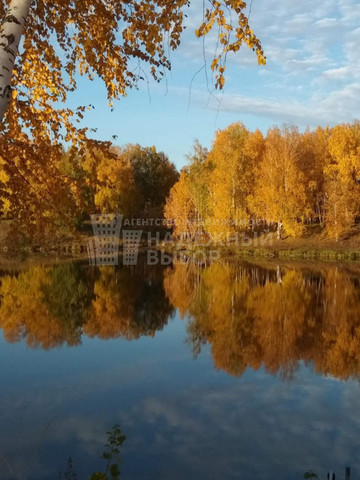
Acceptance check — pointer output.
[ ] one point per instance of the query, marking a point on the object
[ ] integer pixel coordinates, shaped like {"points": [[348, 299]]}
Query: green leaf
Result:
{"points": [[114, 471], [309, 474], [98, 476]]}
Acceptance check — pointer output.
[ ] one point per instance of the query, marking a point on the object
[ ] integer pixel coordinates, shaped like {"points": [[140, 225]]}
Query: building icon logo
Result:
{"points": [[131, 243], [103, 248]]}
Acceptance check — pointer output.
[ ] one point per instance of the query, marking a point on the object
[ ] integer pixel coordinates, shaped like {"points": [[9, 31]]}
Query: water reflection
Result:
{"points": [[251, 315], [51, 306], [275, 317], [182, 418]]}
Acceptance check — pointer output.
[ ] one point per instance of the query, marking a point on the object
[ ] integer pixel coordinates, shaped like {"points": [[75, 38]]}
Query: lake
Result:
{"points": [[227, 371]]}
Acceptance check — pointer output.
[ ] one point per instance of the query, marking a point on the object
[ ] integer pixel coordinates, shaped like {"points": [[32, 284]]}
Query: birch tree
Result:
{"points": [[10, 33], [46, 45]]}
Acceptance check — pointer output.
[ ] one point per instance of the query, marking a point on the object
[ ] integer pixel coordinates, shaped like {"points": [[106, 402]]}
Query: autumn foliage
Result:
{"points": [[52, 306], [131, 180], [276, 316], [295, 178], [120, 43]]}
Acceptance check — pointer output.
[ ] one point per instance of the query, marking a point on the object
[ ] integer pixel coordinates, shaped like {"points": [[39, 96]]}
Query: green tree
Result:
{"points": [[154, 175]]}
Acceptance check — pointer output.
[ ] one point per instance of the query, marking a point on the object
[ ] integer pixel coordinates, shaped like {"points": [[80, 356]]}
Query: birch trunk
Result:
{"points": [[10, 33]]}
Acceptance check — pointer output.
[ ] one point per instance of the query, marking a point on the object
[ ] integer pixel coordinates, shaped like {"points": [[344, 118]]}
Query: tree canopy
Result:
{"points": [[117, 41], [294, 178]]}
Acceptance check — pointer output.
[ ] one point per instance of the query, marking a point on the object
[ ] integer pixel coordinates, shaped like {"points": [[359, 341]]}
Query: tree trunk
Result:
{"points": [[10, 33]]}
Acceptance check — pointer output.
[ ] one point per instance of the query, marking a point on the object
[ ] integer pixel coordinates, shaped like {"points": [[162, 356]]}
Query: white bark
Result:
{"points": [[10, 33]]}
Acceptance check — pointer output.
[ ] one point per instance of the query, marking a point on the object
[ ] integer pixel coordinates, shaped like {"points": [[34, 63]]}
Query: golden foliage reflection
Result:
{"points": [[275, 316]]}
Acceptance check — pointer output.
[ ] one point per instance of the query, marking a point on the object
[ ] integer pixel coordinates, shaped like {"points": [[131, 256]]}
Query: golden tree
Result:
{"points": [[115, 190], [109, 39], [198, 176], [280, 193], [230, 181], [180, 209], [341, 177], [314, 158]]}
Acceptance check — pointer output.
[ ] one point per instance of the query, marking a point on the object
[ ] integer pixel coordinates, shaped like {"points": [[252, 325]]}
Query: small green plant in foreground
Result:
{"points": [[111, 455]]}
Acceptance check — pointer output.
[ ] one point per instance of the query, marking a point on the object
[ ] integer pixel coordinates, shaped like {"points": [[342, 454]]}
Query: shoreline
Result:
{"points": [[193, 252], [313, 246], [272, 253]]}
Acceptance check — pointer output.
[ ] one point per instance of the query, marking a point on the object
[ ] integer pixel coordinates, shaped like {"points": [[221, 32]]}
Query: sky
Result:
{"points": [[312, 77]]}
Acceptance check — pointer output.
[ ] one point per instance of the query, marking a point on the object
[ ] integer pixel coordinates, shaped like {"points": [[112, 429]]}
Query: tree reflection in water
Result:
{"points": [[276, 317], [251, 315], [52, 306]]}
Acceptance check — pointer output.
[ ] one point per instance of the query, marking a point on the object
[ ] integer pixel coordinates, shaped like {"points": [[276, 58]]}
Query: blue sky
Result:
{"points": [[312, 77]]}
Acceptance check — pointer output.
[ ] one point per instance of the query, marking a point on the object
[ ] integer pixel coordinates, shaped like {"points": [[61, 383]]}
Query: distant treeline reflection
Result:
{"points": [[51, 306], [250, 315]]}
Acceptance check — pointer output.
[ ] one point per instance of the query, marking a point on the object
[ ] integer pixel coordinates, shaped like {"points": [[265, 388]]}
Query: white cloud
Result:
{"points": [[328, 22], [338, 73], [312, 75]]}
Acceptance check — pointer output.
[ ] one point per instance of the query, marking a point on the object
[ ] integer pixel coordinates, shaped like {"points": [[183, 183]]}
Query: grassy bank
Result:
{"points": [[314, 245]]}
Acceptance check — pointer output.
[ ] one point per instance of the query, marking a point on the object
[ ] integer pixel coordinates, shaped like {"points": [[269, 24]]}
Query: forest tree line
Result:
{"points": [[298, 179], [131, 180], [287, 176]]}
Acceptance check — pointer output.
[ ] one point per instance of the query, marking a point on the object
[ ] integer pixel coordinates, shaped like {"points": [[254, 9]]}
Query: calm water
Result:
{"points": [[222, 372]]}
